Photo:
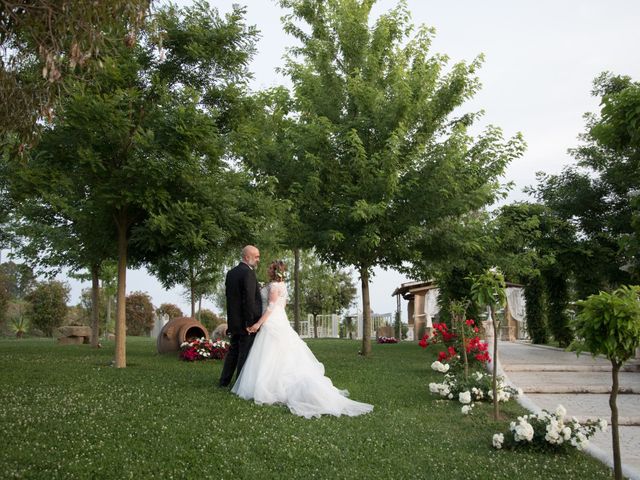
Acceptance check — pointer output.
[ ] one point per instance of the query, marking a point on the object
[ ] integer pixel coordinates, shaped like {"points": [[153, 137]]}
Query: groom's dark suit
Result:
{"points": [[244, 308]]}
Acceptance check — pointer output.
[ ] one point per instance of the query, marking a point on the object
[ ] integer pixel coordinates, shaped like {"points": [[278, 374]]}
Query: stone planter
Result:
{"points": [[177, 331]]}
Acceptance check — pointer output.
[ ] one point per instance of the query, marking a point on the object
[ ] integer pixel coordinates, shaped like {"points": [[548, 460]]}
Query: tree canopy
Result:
{"points": [[387, 154]]}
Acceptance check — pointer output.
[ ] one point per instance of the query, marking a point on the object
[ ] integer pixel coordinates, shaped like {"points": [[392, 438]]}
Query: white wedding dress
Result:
{"points": [[282, 369]]}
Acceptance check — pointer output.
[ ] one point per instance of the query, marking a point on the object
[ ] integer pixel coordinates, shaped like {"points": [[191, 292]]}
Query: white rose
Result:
{"points": [[464, 397], [561, 411], [602, 424], [466, 409], [498, 440], [524, 431]]}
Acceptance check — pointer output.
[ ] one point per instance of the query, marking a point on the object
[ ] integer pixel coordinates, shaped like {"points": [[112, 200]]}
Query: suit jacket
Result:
{"points": [[244, 305]]}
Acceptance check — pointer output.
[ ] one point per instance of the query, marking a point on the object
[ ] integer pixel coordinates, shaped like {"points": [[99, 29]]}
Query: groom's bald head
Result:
{"points": [[251, 255]]}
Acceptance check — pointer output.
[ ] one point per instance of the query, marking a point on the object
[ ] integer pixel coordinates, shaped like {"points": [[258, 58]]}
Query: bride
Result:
{"points": [[281, 368]]}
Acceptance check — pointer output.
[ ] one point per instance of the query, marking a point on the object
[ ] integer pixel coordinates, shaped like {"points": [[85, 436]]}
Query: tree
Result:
{"points": [[609, 324], [539, 248], [269, 144], [324, 289], [209, 319], [534, 299], [489, 290], [139, 311], [143, 144], [19, 277], [48, 305], [5, 297], [46, 43], [598, 195], [171, 310], [383, 158]]}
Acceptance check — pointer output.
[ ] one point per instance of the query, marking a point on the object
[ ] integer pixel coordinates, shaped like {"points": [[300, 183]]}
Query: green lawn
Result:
{"points": [[65, 413]]}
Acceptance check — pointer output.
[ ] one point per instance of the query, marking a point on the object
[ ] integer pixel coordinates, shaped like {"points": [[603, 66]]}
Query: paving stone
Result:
{"points": [[558, 375]]}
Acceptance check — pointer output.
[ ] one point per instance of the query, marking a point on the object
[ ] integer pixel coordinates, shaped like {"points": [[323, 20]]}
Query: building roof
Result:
{"points": [[409, 289]]}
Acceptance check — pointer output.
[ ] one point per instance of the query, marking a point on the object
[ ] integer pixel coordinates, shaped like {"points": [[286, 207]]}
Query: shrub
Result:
{"points": [[533, 294], [170, 309], [548, 431], [209, 319], [48, 305], [139, 313]]}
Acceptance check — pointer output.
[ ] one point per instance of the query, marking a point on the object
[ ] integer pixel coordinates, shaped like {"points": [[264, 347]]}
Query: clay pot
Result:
{"points": [[179, 330]]}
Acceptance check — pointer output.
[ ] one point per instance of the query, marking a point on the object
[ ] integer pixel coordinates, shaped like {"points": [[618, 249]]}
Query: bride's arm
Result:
{"points": [[273, 297]]}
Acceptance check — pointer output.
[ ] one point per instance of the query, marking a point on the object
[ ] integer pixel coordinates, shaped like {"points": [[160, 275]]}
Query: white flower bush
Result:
{"points": [[523, 430], [498, 440], [476, 388], [464, 397], [549, 430]]}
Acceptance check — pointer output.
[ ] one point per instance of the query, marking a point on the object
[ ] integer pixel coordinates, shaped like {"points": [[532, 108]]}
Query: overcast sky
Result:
{"points": [[541, 57]]}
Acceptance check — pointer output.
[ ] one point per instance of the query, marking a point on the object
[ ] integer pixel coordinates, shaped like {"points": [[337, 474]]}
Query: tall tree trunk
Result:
{"points": [[121, 326], [200, 308], [461, 321], [315, 325], [95, 304], [108, 320], [192, 287], [366, 312], [296, 290], [615, 435], [494, 382]]}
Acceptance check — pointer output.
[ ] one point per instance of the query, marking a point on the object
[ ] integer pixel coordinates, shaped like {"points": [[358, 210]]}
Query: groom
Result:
{"points": [[244, 308]]}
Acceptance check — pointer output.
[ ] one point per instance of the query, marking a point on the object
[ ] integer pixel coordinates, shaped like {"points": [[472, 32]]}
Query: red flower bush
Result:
{"points": [[387, 340], [477, 350]]}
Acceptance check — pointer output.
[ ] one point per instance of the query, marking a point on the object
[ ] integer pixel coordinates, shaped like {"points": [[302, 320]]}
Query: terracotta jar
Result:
{"points": [[179, 330]]}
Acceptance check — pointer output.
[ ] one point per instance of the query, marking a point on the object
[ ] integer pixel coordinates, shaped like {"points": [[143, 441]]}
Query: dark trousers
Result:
{"points": [[236, 356]]}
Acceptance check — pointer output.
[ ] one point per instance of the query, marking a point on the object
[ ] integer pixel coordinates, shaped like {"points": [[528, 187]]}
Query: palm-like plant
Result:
{"points": [[20, 325]]}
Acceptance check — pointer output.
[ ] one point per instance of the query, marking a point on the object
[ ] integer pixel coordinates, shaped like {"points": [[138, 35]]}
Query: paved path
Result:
{"points": [[550, 376]]}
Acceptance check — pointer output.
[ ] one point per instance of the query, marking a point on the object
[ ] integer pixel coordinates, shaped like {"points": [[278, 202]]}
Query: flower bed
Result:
{"points": [[475, 388], [203, 349], [387, 340]]}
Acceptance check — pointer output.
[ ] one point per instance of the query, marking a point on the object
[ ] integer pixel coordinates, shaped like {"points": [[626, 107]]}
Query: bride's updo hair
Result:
{"points": [[276, 271]]}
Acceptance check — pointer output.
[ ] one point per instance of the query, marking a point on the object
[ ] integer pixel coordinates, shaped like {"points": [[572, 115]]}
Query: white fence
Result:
{"points": [[377, 321], [327, 326]]}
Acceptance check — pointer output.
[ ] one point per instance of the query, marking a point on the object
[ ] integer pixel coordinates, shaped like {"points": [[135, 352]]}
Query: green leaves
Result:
{"points": [[488, 289], [609, 324]]}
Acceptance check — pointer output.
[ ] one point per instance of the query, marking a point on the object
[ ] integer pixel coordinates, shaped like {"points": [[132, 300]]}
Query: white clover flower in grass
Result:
{"points": [[464, 397], [498, 440]]}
